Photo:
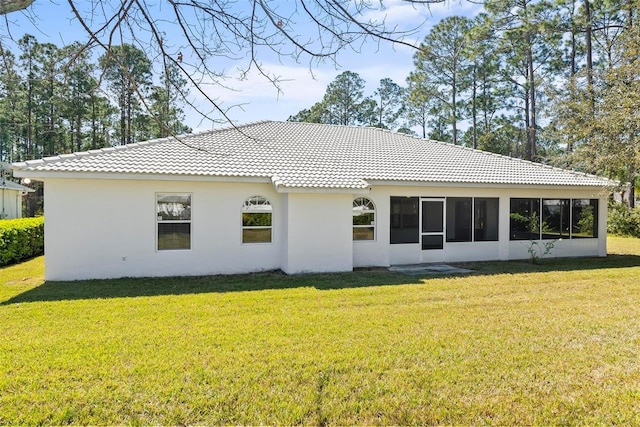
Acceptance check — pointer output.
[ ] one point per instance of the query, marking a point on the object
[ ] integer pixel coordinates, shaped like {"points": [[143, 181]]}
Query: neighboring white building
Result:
{"points": [[11, 194], [304, 197]]}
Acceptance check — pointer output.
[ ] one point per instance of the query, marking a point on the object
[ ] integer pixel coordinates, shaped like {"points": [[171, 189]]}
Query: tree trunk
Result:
{"points": [[380, 115], [78, 131], [29, 110], [633, 175], [532, 126], [129, 118], [527, 125], [454, 113], [485, 108], [474, 111], [589, 49], [123, 113], [94, 135], [52, 130], [573, 40]]}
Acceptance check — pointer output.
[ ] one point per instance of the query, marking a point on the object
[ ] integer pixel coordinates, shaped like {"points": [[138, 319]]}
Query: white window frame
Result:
{"points": [[159, 220], [361, 207], [256, 204], [571, 234]]}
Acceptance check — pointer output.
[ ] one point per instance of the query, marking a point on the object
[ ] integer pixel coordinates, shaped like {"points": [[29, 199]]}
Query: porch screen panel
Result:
{"points": [[555, 218], [584, 218], [525, 219], [432, 242], [432, 217], [458, 219], [404, 220], [485, 219]]}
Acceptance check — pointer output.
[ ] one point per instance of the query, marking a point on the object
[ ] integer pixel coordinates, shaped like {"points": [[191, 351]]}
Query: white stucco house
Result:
{"points": [[11, 194], [304, 197]]}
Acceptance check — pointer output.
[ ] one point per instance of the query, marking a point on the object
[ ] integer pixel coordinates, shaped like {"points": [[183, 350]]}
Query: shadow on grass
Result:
{"points": [[553, 264], [144, 287], [157, 286]]}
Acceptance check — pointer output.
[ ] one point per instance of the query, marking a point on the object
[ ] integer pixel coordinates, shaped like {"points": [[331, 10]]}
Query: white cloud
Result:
{"points": [[374, 74], [442, 10], [406, 15], [255, 98], [295, 83]]}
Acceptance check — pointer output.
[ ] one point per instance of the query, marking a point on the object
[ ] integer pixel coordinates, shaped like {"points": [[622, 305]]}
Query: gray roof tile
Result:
{"points": [[309, 155]]}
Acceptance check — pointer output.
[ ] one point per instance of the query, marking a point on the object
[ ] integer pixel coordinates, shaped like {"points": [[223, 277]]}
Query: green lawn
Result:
{"points": [[514, 343]]}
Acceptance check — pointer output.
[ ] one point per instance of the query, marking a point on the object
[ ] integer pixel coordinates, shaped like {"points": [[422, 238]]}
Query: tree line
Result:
{"points": [[56, 100], [554, 81]]}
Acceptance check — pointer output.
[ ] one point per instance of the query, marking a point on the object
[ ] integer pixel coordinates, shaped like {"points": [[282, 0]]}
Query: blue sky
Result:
{"points": [[255, 98]]}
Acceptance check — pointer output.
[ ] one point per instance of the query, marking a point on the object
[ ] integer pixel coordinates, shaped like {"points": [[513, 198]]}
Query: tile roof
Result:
{"points": [[309, 155]]}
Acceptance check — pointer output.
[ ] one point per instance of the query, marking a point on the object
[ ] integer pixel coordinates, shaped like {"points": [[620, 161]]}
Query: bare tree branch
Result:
{"points": [[203, 38]]}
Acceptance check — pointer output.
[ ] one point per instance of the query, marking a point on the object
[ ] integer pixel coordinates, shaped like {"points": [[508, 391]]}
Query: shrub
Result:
{"points": [[20, 239], [623, 221]]}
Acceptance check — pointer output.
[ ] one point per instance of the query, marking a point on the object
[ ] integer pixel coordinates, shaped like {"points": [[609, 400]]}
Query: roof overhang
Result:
{"points": [[322, 190], [606, 188], [44, 175], [358, 187]]}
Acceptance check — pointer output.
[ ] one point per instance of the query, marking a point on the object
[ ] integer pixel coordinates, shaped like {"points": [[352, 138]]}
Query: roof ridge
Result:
{"points": [[231, 125], [320, 124]]}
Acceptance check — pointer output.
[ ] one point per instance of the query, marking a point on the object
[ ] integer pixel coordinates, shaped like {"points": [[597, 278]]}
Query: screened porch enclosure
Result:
{"points": [[435, 222]]}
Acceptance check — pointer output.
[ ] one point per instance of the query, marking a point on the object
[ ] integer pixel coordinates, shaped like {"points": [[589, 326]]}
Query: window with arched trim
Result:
{"points": [[257, 215], [364, 219]]}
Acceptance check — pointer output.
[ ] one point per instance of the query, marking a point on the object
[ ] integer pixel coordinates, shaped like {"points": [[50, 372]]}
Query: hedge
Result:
{"points": [[623, 221], [20, 239]]}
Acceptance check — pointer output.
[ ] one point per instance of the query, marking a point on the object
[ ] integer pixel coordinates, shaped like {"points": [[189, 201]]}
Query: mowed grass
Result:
{"points": [[513, 343]]}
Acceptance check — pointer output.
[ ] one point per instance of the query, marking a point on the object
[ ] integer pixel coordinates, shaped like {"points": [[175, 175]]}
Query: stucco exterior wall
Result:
{"points": [[98, 228], [318, 233], [107, 228]]}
